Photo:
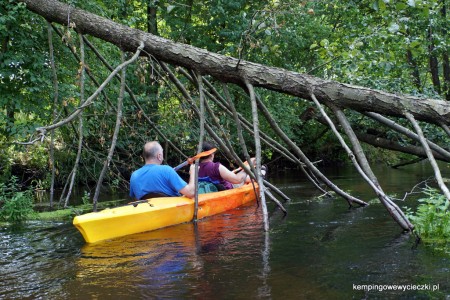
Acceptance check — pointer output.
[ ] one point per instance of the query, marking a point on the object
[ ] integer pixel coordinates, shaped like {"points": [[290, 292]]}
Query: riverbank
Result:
{"points": [[69, 213]]}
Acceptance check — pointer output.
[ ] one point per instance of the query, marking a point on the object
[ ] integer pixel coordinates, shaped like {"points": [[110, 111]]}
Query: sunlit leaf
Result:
{"points": [[400, 6], [170, 8], [393, 28], [324, 43]]}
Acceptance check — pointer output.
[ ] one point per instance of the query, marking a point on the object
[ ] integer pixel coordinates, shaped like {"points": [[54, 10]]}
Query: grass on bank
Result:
{"points": [[70, 212], [17, 205]]}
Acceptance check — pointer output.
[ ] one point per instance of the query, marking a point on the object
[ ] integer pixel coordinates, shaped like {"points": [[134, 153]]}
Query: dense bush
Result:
{"points": [[16, 205]]}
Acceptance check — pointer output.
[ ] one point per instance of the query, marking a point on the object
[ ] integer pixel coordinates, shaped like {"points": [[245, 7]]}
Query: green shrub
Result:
{"points": [[432, 219], [86, 197], [5, 159], [16, 205]]}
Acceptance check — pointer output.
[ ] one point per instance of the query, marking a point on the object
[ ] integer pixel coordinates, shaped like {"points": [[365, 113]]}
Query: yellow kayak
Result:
{"points": [[157, 213]]}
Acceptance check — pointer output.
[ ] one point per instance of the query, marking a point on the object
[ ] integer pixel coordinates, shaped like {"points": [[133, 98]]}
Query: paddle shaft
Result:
{"points": [[240, 168], [194, 158], [181, 165]]}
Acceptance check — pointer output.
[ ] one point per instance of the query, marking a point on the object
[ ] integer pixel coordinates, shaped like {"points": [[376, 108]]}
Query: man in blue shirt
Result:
{"points": [[154, 178]]}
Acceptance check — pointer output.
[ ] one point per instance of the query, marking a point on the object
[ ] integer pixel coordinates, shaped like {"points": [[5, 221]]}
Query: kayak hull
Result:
{"points": [[157, 213]]}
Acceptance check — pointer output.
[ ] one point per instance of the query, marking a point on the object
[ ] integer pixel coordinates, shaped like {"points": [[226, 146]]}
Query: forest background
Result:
{"points": [[395, 46]]}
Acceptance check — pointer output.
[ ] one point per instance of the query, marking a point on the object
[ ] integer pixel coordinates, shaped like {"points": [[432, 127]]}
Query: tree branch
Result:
{"points": [[262, 188], [437, 172], [91, 99]]}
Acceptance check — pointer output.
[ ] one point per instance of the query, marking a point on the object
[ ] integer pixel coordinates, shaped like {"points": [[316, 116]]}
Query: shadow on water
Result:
{"points": [[321, 250]]}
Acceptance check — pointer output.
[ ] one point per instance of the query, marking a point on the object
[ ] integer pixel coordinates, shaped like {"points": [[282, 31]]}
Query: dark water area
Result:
{"points": [[321, 250]]}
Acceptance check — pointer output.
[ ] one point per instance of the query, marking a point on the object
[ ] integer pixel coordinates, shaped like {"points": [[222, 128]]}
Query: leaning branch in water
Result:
{"points": [[437, 172], [80, 122], [262, 188], [276, 190], [392, 208], [304, 159]]}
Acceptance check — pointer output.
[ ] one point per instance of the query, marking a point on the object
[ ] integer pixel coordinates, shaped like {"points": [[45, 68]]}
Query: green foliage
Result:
{"points": [[5, 159], [359, 42], [23, 70], [369, 41], [16, 205], [432, 219], [34, 157], [114, 185], [86, 197]]}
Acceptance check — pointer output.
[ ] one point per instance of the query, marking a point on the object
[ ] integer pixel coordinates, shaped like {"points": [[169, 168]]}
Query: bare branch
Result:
{"points": [[54, 113], [437, 172], [407, 132], [91, 99], [262, 188], [392, 208], [305, 159], [201, 138], [80, 124], [446, 128]]}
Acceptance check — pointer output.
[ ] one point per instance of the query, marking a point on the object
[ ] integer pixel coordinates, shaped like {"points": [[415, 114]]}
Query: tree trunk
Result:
{"points": [[152, 24], [433, 62], [446, 71], [227, 68], [415, 70], [54, 111], [152, 88], [445, 60]]}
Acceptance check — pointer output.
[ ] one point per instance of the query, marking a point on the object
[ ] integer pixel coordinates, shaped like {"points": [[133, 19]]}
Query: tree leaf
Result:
{"points": [[170, 8], [393, 28]]}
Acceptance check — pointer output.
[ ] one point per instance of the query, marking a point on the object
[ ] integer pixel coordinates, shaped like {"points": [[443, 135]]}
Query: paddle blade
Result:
{"points": [[204, 153], [192, 159]]}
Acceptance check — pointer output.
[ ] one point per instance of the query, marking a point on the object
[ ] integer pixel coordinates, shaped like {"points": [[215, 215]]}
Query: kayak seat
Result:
{"points": [[153, 195]]}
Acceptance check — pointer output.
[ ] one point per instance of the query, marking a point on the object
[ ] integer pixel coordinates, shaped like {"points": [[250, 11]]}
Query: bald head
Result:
{"points": [[153, 152]]}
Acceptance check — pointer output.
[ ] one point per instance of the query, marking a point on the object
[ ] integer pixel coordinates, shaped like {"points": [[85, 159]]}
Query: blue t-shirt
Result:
{"points": [[155, 179]]}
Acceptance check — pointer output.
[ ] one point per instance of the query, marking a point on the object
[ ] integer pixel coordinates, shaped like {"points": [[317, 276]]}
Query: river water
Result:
{"points": [[321, 250]]}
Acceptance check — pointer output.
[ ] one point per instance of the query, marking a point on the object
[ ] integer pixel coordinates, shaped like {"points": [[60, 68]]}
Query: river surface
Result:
{"points": [[321, 250]]}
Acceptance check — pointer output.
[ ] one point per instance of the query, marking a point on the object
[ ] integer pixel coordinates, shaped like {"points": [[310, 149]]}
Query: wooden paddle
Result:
{"points": [[192, 159]]}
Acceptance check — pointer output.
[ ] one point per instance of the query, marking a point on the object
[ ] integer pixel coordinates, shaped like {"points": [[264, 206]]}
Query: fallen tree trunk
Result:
{"points": [[232, 70]]}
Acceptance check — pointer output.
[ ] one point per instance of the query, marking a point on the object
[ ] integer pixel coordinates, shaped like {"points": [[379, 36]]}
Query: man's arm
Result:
{"points": [[189, 189]]}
